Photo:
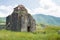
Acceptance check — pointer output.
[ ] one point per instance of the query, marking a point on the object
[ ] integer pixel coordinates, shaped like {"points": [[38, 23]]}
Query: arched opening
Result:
{"points": [[28, 28]]}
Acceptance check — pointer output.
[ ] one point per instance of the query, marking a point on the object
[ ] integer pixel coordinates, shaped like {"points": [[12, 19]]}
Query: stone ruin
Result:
{"points": [[20, 20]]}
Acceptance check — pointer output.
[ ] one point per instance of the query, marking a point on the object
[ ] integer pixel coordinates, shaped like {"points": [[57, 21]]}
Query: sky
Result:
{"points": [[46, 7]]}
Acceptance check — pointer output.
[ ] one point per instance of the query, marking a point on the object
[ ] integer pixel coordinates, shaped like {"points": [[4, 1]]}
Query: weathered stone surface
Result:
{"points": [[20, 20]]}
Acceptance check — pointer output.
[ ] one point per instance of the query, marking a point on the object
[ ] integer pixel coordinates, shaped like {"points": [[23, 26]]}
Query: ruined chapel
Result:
{"points": [[20, 20]]}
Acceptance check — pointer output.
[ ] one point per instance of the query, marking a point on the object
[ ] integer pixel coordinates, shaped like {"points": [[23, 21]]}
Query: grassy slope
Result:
{"points": [[48, 33]]}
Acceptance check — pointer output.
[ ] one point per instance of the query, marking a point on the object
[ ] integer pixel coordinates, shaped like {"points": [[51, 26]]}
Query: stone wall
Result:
{"points": [[20, 20]]}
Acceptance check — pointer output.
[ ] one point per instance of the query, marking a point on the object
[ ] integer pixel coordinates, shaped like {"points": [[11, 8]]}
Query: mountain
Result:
{"points": [[46, 19]]}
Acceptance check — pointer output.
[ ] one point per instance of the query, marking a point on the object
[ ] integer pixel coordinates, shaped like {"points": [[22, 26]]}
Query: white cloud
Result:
{"points": [[47, 7], [6, 10]]}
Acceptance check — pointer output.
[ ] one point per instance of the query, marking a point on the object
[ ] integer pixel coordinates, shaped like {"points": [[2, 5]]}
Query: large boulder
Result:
{"points": [[20, 20]]}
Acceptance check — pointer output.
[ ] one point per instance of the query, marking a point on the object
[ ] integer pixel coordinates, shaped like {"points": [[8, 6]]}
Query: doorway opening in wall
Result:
{"points": [[28, 28]]}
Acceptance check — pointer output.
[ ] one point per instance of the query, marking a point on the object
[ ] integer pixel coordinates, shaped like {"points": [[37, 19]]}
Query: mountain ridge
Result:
{"points": [[47, 19]]}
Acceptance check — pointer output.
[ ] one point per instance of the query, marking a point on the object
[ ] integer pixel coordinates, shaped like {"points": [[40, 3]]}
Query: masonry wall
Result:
{"points": [[20, 20]]}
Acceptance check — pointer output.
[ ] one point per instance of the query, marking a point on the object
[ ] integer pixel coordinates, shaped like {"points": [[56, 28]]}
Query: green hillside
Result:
{"points": [[47, 19]]}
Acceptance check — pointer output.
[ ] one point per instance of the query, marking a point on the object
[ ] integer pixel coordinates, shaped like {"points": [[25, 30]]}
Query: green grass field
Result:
{"points": [[48, 33]]}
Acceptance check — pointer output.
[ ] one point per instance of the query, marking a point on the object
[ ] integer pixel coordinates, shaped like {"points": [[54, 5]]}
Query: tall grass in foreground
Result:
{"points": [[48, 33], [8, 35]]}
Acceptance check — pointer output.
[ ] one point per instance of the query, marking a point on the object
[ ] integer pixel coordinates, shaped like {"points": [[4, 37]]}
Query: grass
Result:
{"points": [[10, 35], [47, 33]]}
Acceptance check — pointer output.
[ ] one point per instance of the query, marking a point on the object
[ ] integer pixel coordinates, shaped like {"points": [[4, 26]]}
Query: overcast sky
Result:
{"points": [[47, 7]]}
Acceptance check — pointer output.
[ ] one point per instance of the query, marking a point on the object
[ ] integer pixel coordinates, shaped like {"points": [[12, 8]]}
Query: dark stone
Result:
{"points": [[20, 20]]}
